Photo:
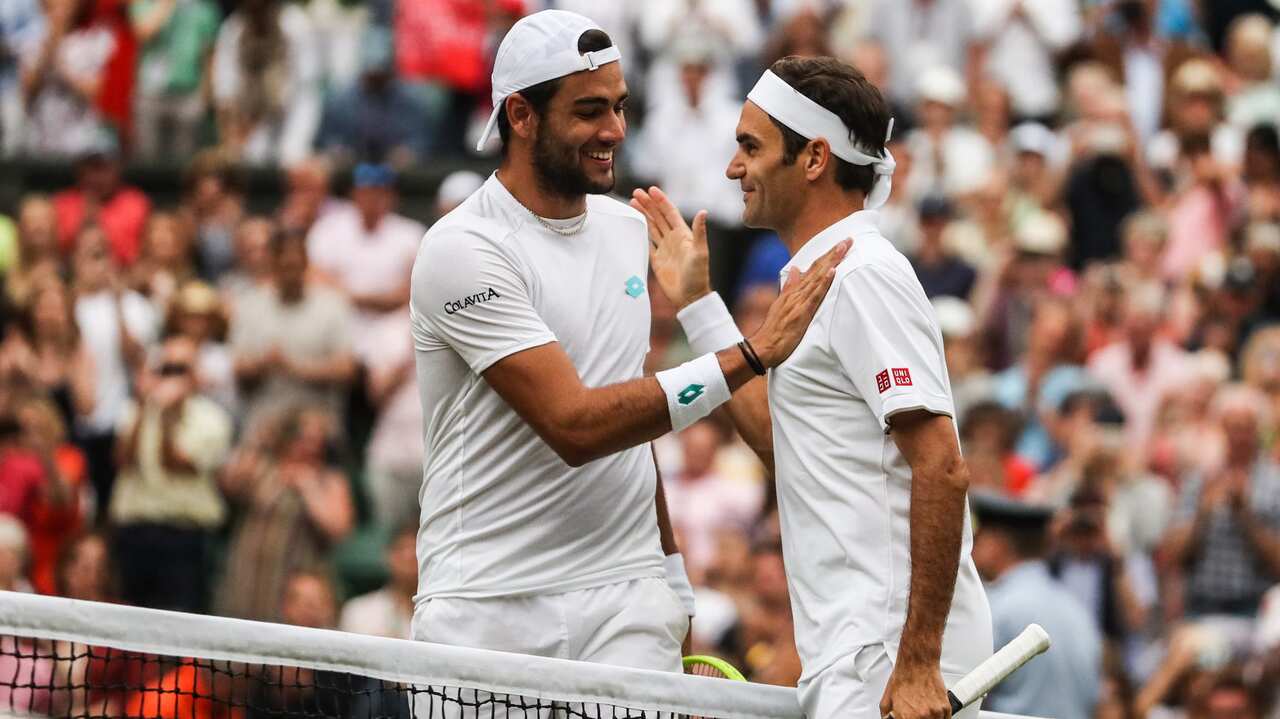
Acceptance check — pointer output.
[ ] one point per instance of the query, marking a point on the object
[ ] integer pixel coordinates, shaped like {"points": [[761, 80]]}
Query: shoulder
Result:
{"points": [[873, 262], [614, 208], [460, 234]]}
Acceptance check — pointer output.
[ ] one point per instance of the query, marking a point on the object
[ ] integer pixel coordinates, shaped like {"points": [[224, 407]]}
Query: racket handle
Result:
{"points": [[956, 706]]}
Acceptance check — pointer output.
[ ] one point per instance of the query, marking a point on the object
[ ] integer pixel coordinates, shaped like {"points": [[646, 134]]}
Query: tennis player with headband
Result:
{"points": [[543, 529], [857, 424]]}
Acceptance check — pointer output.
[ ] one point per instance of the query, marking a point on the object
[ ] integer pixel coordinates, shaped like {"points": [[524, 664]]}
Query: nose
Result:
{"points": [[614, 130], [736, 169]]}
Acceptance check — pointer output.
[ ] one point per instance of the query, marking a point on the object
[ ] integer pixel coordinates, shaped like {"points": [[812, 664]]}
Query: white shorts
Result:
{"points": [[851, 688], [638, 623]]}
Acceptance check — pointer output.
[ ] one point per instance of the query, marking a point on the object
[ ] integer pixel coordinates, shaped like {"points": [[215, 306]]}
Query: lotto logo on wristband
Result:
{"points": [[687, 395]]}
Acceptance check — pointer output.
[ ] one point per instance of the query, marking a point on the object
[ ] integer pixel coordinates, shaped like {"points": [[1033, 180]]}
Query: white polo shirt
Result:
{"points": [[844, 489], [502, 514]]}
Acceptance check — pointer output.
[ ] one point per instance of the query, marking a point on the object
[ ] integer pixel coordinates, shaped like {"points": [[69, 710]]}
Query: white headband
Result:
{"points": [[811, 121]]}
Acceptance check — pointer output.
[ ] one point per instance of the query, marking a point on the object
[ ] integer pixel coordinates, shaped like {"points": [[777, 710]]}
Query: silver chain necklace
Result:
{"points": [[573, 229]]}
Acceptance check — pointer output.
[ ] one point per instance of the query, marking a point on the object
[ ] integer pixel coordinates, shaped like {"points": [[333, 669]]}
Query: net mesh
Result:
{"points": [[66, 658]]}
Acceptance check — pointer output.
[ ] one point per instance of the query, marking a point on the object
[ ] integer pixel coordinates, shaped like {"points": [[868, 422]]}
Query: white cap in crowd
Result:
{"points": [[540, 47], [941, 84]]}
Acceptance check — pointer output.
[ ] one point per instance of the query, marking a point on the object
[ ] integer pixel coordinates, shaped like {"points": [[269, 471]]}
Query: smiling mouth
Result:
{"points": [[602, 157]]}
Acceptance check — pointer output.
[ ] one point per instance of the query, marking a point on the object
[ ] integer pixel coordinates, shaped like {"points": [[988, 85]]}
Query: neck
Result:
{"points": [[820, 210], [523, 182]]}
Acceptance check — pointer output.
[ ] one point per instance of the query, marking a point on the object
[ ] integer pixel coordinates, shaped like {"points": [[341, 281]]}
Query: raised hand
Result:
{"points": [[791, 313], [677, 253]]}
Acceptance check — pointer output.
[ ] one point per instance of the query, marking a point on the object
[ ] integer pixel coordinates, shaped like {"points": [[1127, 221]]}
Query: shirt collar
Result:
{"points": [[821, 243]]}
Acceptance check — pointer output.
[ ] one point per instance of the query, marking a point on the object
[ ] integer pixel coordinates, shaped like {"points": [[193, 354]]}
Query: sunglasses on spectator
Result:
{"points": [[173, 369]]}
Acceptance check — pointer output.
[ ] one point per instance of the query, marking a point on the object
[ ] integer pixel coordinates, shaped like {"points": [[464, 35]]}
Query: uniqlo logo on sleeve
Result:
{"points": [[901, 377], [882, 381]]}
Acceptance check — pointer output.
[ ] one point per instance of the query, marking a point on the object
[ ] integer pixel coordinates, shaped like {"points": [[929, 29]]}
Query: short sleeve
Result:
{"points": [[470, 296], [885, 338]]}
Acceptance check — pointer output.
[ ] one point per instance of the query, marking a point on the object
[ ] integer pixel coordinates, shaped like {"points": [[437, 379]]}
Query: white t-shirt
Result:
{"points": [[844, 489], [99, 323], [502, 514]]}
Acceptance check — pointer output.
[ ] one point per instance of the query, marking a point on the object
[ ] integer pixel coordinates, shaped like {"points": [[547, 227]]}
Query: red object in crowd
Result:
{"points": [[122, 218], [442, 41], [115, 98], [51, 525], [1018, 474]]}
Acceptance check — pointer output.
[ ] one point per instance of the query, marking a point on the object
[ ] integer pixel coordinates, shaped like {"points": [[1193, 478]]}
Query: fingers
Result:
{"points": [[700, 226], [792, 282], [665, 206], [644, 202]]}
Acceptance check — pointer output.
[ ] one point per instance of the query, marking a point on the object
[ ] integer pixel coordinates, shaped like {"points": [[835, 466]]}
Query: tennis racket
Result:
{"points": [[1032, 641], [706, 666]]}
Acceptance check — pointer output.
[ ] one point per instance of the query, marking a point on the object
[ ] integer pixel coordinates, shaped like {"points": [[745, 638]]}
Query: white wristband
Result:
{"points": [[708, 324], [693, 389], [678, 580]]}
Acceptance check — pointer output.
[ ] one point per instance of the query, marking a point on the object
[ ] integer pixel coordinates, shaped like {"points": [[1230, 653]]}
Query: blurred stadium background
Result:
{"points": [[1088, 189]]}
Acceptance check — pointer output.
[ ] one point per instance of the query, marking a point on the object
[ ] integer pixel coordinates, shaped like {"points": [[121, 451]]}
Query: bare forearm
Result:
{"points": [[937, 525], [171, 457], [749, 410]]}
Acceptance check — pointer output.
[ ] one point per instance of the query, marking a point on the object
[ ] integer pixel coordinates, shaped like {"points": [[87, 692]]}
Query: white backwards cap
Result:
{"points": [[540, 47], [811, 121]]}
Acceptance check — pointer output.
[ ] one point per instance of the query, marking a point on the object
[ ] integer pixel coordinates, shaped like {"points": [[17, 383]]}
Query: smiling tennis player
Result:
{"points": [[540, 505], [857, 424]]}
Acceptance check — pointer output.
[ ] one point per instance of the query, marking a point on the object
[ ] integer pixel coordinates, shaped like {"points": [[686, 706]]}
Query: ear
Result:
{"points": [[816, 156], [520, 114]]}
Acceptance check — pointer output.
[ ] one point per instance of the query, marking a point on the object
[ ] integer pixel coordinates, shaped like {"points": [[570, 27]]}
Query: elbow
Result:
{"points": [[574, 452], [956, 475]]}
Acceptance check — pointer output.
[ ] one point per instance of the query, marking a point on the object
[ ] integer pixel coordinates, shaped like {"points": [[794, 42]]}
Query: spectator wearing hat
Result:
{"points": [[1225, 537], [1034, 169], [378, 116], [686, 143], [196, 313], [166, 504], [101, 197], [940, 272], [1196, 105], [1019, 40], [61, 80], [456, 187], [366, 250], [1249, 57], [948, 158], [1009, 547], [176, 38]]}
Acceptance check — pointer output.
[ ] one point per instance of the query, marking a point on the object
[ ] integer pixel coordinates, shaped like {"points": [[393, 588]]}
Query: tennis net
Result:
{"points": [[67, 658]]}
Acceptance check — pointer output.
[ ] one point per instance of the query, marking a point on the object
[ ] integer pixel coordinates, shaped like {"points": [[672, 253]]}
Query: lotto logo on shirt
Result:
{"points": [[902, 376], [882, 381]]}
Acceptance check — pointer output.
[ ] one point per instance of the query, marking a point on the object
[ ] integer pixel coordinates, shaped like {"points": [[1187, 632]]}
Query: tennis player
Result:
{"points": [[857, 424], [539, 529]]}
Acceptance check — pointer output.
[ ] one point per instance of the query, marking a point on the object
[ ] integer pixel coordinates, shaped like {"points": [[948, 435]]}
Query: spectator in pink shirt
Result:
{"points": [[1201, 215]]}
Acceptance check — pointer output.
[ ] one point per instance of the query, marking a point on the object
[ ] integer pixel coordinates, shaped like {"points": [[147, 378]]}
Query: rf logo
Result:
{"points": [[689, 394]]}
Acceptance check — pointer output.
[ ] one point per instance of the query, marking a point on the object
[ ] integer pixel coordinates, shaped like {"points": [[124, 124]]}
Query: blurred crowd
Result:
{"points": [[205, 409]]}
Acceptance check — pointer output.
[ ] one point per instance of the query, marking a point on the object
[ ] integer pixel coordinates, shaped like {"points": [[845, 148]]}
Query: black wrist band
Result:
{"points": [[753, 360]]}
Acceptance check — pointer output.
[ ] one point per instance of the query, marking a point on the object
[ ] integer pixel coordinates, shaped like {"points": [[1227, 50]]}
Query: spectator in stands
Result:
{"points": [[1033, 172], [266, 82], [940, 272], [176, 38], [768, 635], [1250, 40], [170, 444], [989, 433], [165, 262], [85, 571], [49, 355], [13, 555], [366, 250], [307, 195], [379, 116], [1138, 371], [921, 34], [1260, 365], [393, 459], [117, 326], [213, 205], [949, 159], [1019, 39], [100, 197], [970, 380], [58, 512], [294, 504], [1009, 549], [21, 28], [61, 80], [687, 142], [456, 187], [388, 612], [292, 340], [253, 266], [1196, 103], [732, 25], [703, 500], [196, 313], [39, 255], [1224, 536]]}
